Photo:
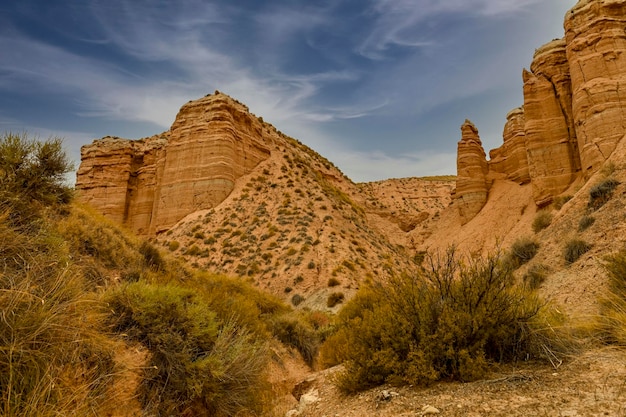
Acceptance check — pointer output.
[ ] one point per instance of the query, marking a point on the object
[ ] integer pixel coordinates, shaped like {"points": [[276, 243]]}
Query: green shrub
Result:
{"points": [[297, 299], [522, 251], [574, 249], [54, 357], [199, 364], [333, 282], [294, 331], [334, 299], [32, 175], [542, 221], [173, 245], [535, 276], [600, 193], [194, 250], [585, 223], [151, 256], [448, 322]]}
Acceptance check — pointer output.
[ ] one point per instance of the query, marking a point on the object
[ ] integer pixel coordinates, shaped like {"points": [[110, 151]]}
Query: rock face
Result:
{"points": [[151, 184], [472, 170], [574, 111], [511, 159], [596, 51], [550, 138]]}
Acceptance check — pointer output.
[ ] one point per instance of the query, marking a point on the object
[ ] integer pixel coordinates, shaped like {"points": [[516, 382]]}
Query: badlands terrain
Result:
{"points": [[227, 192]]}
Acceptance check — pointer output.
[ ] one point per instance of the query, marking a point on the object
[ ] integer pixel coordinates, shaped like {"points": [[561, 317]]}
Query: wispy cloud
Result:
{"points": [[400, 22]]}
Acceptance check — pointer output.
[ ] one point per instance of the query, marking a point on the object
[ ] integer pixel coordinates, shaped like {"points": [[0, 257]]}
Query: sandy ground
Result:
{"points": [[592, 384]]}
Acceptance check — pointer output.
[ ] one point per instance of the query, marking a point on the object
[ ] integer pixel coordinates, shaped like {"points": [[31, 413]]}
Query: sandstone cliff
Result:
{"points": [[574, 111], [151, 184]]}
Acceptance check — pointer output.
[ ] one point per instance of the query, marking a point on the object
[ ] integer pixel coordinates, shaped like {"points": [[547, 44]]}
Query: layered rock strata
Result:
{"points": [[471, 164], [574, 111], [151, 184], [595, 35]]}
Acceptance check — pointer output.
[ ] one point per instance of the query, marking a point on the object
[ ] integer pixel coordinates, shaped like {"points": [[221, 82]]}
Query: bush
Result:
{"points": [[54, 357], [296, 299], [542, 221], [560, 201], [334, 299], [294, 331], [585, 223], [173, 246], [612, 319], [448, 322], [32, 175], [574, 249], [199, 364], [600, 193], [151, 256], [522, 251], [333, 282], [535, 276]]}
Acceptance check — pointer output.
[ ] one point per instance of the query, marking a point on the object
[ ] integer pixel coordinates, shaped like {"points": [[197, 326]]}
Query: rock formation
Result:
{"points": [[472, 170], [596, 50], [550, 138], [511, 159], [574, 111], [151, 184]]}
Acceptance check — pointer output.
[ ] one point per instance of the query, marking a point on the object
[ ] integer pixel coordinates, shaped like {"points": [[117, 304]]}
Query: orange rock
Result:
{"points": [[511, 158], [596, 51], [472, 169], [551, 144], [152, 183]]}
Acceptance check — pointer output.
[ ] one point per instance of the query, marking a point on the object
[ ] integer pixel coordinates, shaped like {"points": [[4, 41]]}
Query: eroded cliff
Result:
{"points": [[151, 184], [574, 111]]}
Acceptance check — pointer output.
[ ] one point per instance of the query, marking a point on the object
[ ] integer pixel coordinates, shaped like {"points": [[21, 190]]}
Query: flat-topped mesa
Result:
{"points": [[550, 137], [596, 51], [511, 158], [471, 164], [151, 184]]}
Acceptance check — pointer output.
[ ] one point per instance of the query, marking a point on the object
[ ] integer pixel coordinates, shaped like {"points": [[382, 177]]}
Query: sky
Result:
{"points": [[379, 87]]}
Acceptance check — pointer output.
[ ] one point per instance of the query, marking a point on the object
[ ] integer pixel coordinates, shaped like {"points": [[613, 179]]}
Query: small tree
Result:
{"points": [[32, 174]]}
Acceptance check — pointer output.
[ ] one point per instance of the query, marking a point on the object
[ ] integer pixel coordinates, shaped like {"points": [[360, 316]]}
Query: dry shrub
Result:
{"points": [[560, 201], [536, 275], [585, 223], [54, 359], [522, 251], [600, 193], [199, 363], [574, 249], [294, 331], [448, 322], [334, 299], [612, 321], [541, 221]]}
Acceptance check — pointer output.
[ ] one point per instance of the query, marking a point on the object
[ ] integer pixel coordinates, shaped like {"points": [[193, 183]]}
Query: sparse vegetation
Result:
{"points": [[333, 282], [574, 249], [560, 201], [612, 321], [541, 221]]}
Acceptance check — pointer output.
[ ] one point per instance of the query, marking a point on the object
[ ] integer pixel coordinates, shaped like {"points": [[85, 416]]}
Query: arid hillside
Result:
{"points": [[258, 204]]}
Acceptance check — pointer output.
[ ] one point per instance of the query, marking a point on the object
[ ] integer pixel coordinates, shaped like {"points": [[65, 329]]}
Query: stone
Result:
{"points": [[429, 410], [472, 169]]}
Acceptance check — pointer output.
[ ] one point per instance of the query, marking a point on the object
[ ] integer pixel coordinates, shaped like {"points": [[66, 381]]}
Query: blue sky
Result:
{"points": [[379, 87]]}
